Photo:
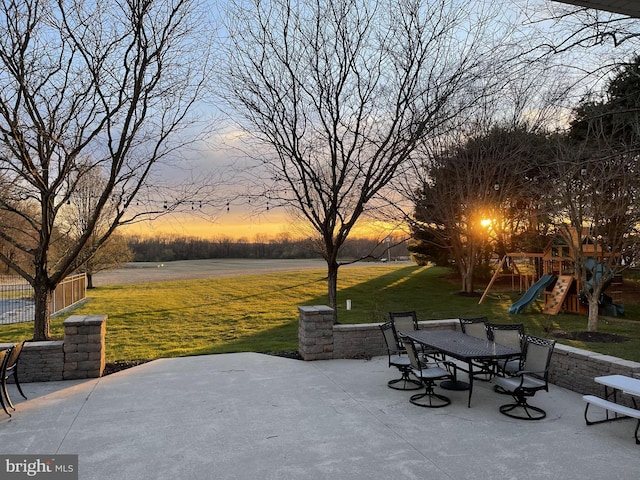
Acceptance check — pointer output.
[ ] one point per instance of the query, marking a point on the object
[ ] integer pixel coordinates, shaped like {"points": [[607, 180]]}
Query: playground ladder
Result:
{"points": [[553, 304]]}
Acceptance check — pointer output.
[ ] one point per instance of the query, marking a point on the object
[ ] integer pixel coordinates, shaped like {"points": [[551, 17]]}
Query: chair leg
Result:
{"points": [[5, 391], [529, 412], [17, 382], [430, 396], [4, 406], [405, 381]]}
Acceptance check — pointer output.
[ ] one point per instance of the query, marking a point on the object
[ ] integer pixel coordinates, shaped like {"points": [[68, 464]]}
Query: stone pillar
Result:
{"points": [[315, 332], [84, 346]]}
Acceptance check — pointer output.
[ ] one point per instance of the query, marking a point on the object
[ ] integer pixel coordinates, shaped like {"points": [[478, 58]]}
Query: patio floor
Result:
{"points": [[253, 416]]}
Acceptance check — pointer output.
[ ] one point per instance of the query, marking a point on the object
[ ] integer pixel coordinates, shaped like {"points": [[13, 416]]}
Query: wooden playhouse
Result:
{"points": [[553, 274]]}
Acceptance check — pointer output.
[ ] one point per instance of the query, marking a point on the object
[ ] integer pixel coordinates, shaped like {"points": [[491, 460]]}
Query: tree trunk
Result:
{"points": [[89, 280], [592, 322], [42, 314], [466, 272], [332, 287]]}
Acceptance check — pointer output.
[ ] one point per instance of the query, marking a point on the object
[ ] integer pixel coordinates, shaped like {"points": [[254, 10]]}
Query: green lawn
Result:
{"points": [[259, 313]]}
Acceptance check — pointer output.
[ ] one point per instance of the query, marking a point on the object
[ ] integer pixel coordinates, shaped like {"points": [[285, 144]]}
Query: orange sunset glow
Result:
{"points": [[243, 226]]}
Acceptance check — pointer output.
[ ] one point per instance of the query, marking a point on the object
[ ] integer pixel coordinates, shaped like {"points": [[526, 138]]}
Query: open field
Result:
{"points": [[142, 272], [246, 306]]}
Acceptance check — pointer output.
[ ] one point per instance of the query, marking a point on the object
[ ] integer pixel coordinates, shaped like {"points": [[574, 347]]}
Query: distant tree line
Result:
{"points": [[166, 248]]}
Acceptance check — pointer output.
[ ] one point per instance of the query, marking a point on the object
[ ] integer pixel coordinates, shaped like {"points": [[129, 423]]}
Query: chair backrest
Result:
{"points": [[13, 357], [390, 338], [536, 354], [412, 353], [511, 334], [3, 359], [404, 321], [476, 327]]}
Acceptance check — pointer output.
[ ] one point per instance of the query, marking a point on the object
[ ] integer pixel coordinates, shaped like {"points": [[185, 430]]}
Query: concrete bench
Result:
{"points": [[626, 412]]}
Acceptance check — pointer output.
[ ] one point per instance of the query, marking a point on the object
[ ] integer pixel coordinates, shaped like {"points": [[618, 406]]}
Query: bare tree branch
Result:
{"points": [[100, 89]]}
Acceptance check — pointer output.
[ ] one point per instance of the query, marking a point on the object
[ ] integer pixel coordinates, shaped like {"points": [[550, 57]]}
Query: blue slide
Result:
{"points": [[532, 293], [598, 270]]}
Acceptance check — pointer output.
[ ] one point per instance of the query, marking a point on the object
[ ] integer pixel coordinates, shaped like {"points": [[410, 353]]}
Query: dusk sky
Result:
{"points": [[219, 152]]}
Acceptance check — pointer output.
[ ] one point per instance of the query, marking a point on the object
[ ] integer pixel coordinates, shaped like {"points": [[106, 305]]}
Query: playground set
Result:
{"points": [[554, 274]]}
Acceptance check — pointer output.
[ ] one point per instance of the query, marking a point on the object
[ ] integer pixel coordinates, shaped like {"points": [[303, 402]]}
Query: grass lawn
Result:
{"points": [[259, 312]]}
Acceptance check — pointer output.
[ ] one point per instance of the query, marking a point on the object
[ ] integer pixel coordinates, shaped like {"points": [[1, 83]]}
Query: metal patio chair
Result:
{"points": [[406, 322], [398, 360], [477, 327], [427, 374], [533, 377], [3, 358], [511, 335], [10, 369]]}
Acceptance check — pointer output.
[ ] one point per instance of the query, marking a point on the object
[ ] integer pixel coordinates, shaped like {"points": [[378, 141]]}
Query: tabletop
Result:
{"points": [[620, 382], [462, 346]]}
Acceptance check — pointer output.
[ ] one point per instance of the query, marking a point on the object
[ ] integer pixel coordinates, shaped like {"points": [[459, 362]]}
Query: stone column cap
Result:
{"points": [[315, 309], [75, 320]]}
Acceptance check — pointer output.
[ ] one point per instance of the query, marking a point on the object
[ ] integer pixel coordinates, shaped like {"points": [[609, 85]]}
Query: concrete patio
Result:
{"points": [[253, 416]]}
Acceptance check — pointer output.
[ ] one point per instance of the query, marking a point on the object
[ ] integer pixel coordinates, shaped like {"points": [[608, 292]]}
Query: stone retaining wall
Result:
{"points": [[571, 368], [80, 355], [41, 362]]}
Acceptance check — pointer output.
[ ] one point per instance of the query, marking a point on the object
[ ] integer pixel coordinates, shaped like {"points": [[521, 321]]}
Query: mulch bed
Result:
{"points": [[294, 354], [119, 365]]}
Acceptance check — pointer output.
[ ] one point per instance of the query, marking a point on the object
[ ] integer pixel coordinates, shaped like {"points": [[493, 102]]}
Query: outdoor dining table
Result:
{"points": [[464, 348]]}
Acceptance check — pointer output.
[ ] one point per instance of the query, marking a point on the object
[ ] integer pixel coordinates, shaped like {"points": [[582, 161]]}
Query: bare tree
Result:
{"points": [[338, 94], [111, 255], [598, 214], [73, 223], [598, 180], [580, 27], [88, 89]]}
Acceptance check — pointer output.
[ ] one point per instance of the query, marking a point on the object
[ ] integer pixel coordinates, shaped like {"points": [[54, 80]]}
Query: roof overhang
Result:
{"points": [[625, 7]]}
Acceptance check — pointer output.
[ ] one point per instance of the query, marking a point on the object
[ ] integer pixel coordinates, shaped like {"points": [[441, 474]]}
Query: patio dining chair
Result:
{"points": [[427, 374], [10, 369], [511, 335], [533, 377], [406, 322], [477, 327], [3, 358], [398, 360]]}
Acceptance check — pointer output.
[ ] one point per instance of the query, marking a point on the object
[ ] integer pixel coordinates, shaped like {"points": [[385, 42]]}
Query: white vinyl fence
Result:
{"points": [[16, 297]]}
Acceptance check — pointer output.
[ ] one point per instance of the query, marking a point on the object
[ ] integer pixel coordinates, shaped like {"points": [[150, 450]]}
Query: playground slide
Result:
{"points": [[532, 293]]}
